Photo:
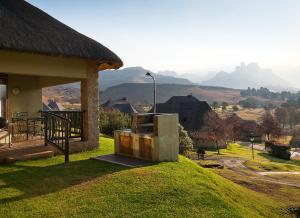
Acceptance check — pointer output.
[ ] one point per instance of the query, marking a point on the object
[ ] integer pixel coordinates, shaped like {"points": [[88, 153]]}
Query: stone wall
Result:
{"points": [[90, 106]]}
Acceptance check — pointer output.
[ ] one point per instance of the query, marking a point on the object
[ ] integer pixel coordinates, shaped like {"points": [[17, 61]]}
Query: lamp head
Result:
{"points": [[148, 74]]}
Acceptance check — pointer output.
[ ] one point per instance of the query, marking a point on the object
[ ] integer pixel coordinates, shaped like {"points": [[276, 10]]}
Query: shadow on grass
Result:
{"points": [[32, 181], [278, 160]]}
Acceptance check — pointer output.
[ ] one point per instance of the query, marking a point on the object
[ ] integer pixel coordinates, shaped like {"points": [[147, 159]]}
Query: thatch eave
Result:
{"points": [[27, 29]]}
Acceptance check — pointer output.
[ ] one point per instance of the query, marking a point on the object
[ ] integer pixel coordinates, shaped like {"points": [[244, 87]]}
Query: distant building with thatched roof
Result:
{"points": [[52, 105], [122, 105], [191, 111]]}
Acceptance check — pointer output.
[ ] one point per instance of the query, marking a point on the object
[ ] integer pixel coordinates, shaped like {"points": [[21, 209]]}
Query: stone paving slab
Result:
{"points": [[122, 160]]}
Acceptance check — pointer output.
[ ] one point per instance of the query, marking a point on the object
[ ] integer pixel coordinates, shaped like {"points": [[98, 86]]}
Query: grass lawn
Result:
{"points": [[90, 188], [285, 194], [262, 160]]}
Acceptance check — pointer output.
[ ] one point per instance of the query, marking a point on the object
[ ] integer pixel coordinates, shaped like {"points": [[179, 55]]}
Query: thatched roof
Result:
{"points": [[122, 105], [191, 111], [26, 28]]}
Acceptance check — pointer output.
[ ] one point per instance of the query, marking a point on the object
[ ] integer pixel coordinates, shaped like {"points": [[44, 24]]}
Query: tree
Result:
{"points": [[224, 105], [248, 103], [215, 105], [213, 130], [185, 142], [289, 103], [292, 116], [233, 127], [112, 119], [235, 108], [269, 125], [281, 116]]}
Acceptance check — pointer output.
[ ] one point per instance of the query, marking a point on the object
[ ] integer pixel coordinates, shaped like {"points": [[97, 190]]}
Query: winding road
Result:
{"points": [[237, 165]]}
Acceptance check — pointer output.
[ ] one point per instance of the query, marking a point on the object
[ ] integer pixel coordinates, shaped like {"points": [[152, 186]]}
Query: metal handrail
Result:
{"points": [[56, 115]]}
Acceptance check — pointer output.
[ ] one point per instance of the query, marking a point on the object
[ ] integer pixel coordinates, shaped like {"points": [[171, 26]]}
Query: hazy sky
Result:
{"points": [[189, 35]]}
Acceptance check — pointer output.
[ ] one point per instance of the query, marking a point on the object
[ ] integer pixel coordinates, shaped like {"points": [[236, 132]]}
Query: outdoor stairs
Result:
{"points": [[25, 153]]}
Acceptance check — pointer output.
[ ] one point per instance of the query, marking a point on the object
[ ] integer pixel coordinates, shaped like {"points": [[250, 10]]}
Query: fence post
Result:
{"points": [[45, 128], [67, 142], [81, 123]]}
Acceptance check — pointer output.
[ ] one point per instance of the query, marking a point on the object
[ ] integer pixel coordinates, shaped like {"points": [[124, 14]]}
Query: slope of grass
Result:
{"points": [[90, 188], [262, 160]]}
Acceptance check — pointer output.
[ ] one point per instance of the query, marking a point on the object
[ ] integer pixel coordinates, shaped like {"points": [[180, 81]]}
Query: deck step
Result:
{"points": [[28, 156]]}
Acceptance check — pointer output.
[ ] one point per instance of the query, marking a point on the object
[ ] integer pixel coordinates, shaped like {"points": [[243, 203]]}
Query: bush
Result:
{"points": [[200, 153], [279, 151], [235, 108], [209, 145], [185, 142], [268, 145], [111, 120]]}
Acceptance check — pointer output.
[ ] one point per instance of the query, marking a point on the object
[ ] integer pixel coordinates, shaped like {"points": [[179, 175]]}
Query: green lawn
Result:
{"points": [[262, 160], [90, 188]]}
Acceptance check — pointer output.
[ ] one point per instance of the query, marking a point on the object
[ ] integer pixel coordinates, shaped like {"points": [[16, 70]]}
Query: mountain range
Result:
{"points": [[166, 91], [244, 76], [250, 75], [111, 78], [125, 82]]}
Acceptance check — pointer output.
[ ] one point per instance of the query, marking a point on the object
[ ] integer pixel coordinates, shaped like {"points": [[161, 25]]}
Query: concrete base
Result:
{"points": [[122, 160]]}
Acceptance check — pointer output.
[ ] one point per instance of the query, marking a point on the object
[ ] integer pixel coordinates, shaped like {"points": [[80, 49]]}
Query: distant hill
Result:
{"points": [[132, 83], [71, 95], [166, 91], [111, 78], [63, 93], [250, 75]]}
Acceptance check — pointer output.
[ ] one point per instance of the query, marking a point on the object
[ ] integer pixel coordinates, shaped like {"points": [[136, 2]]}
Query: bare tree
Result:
{"points": [[234, 129], [269, 125], [213, 129], [281, 116]]}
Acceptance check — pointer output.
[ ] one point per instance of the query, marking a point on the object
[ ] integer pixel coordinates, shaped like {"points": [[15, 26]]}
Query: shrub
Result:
{"points": [[268, 145], [185, 142], [235, 108], [279, 151], [111, 120], [210, 145], [200, 153]]}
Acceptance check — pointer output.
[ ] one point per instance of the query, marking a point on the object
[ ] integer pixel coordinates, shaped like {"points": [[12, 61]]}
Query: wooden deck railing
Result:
{"points": [[60, 126], [76, 122], [57, 132]]}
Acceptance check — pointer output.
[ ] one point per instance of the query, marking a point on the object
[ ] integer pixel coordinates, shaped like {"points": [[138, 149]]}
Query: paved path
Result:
{"points": [[295, 155], [237, 165], [258, 147]]}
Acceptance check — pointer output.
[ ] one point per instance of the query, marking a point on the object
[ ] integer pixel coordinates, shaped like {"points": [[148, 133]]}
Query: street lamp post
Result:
{"points": [[154, 91], [252, 141]]}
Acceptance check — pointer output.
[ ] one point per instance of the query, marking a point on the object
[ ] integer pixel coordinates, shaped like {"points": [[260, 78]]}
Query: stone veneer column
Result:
{"points": [[90, 104]]}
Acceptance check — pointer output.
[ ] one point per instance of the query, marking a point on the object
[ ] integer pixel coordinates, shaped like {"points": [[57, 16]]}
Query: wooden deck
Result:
{"points": [[26, 150]]}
